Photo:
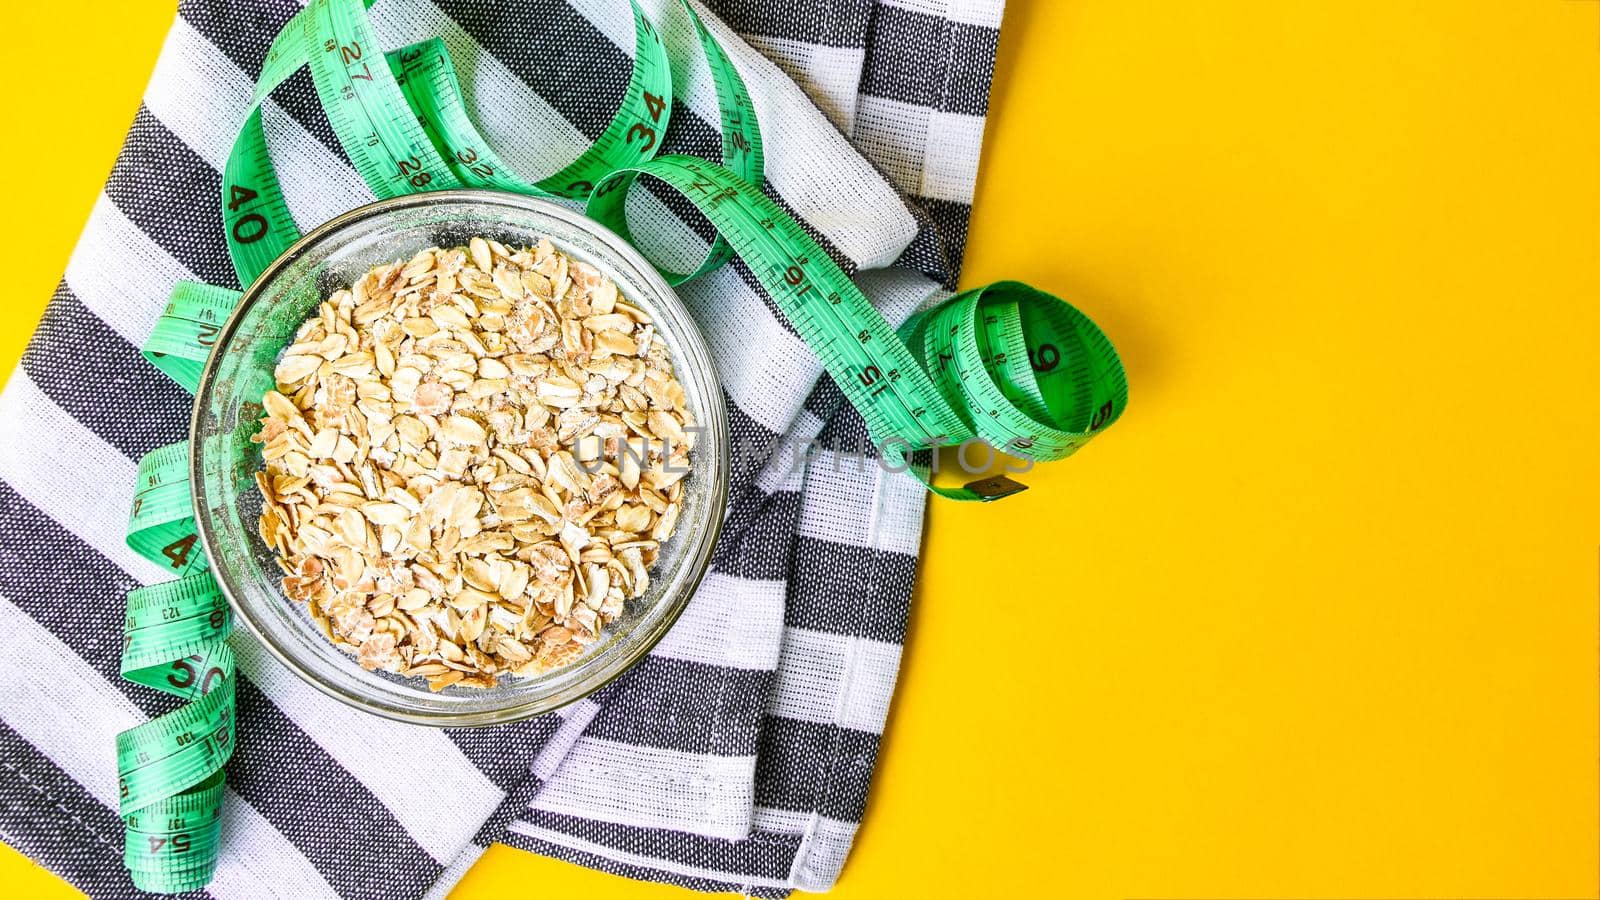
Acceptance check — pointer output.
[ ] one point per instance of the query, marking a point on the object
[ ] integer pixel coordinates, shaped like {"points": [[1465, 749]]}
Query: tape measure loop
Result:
{"points": [[174, 640], [1036, 376]]}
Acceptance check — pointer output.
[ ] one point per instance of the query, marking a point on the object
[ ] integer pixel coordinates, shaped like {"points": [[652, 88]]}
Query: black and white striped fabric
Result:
{"points": [[737, 755]]}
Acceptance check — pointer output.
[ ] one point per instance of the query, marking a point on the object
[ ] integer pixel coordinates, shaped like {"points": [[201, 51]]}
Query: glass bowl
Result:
{"points": [[223, 460]]}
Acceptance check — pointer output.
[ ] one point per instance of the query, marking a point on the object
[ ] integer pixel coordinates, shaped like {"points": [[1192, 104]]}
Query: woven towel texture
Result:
{"points": [[737, 756]]}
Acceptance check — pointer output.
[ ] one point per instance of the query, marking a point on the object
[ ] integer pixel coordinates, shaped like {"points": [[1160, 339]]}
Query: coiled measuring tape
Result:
{"points": [[1006, 364], [170, 768]]}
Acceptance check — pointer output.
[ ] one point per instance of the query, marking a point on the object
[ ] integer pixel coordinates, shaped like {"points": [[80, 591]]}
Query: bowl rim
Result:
{"points": [[716, 425]]}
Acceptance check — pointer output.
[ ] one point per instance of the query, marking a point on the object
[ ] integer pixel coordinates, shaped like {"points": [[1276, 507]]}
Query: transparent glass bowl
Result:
{"points": [[223, 460]]}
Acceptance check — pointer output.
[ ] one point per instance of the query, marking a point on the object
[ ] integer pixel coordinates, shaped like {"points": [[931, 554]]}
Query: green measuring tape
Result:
{"points": [[170, 768], [1006, 364]]}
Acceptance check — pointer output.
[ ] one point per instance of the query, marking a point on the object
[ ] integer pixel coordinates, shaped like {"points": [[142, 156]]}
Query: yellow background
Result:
{"points": [[1318, 617]]}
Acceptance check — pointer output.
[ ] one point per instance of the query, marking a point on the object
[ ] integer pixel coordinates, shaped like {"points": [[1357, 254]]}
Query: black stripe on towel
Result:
{"points": [[79, 362], [758, 535], [812, 767], [553, 49], [692, 707], [173, 196], [842, 23], [505, 752], [929, 61], [830, 579]]}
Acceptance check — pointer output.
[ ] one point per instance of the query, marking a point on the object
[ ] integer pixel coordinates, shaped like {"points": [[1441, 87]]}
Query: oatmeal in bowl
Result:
{"points": [[458, 471]]}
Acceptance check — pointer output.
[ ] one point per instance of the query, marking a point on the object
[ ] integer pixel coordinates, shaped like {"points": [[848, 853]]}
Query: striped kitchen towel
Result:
{"points": [[736, 756]]}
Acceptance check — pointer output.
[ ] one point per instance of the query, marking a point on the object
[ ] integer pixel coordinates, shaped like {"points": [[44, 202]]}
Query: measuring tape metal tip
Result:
{"points": [[995, 487]]}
